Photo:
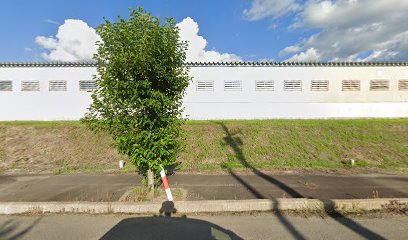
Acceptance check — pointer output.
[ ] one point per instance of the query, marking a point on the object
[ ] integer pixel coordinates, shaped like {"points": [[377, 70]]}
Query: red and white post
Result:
{"points": [[166, 184]]}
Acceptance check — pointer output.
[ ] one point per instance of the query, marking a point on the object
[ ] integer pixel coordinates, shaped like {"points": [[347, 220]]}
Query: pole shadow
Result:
{"points": [[166, 227], [9, 229], [329, 207], [292, 230]]}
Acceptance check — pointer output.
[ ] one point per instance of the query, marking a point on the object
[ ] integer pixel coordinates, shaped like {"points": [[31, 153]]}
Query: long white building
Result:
{"points": [[61, 91]]}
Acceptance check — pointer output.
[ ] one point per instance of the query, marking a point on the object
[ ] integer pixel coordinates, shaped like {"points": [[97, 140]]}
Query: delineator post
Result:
{"points": [[166, 184]]}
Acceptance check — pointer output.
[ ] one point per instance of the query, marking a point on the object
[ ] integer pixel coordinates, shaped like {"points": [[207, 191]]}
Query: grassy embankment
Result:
{"points": [[63, 147]]}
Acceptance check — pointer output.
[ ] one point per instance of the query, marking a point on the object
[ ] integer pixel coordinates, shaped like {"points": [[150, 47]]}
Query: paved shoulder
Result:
{"points": [[110, 187], [201, 227]]}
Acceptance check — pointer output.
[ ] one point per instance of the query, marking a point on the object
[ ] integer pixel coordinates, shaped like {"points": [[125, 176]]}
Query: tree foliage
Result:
{"points": [[141, 81]]}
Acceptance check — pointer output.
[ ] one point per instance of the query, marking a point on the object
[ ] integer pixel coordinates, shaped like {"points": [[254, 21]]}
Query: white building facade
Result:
{"points": [[61, 91]]}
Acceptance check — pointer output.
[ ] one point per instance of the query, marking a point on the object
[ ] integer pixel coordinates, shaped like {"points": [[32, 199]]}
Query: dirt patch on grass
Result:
{"points": [[48, 148], [142, 194], [396, 207]]}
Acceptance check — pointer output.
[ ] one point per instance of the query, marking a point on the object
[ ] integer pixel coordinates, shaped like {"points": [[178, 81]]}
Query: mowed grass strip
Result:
{"points": [[215, 145], [271, 144]]}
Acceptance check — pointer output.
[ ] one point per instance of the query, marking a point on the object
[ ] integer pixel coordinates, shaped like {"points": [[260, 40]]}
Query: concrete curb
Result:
{"points": [[216, 206]]}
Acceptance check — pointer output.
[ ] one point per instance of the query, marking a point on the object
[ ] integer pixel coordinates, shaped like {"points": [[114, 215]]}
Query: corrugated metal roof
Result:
{"points": [[218, 64], [295, 64], [47, 64]]}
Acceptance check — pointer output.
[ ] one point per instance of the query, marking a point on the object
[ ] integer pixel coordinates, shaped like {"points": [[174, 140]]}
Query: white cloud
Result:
{"points": [[351, 30], [310, 55], [75, 41], [50, 21], [290, 49], [270, 8], [196, 51], [267, 60], [46, 42]]}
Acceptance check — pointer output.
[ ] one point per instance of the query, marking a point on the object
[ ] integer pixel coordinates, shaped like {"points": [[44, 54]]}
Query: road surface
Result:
{"points": [[261, 226]]}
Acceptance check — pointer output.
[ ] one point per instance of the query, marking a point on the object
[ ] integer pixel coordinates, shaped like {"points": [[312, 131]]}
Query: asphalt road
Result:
{"points": [[201, 227], [109, 187]]}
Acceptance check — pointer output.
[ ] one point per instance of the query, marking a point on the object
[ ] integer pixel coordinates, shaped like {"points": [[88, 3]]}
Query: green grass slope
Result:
{"points": [[216, 145]]}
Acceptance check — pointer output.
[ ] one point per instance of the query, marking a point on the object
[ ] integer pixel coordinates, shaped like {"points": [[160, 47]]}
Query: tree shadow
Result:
{"points": [[292, 230], [170, 170], [329, 206], [9, 229], [166, 227]]}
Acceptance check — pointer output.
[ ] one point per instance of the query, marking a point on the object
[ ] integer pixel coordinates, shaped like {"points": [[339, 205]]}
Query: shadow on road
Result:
{"points": [[236, 145], [9, 230], [167, 227]]}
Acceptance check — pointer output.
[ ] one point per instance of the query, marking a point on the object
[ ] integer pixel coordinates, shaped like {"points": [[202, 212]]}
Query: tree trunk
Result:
{"points": [[150, 180]]}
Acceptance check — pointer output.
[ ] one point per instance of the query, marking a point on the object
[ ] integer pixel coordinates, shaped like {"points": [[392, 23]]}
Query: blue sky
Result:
{"points": [[249, 30]]}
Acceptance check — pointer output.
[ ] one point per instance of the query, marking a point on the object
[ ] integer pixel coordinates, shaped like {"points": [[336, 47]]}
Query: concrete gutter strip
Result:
{"points": [[216, 206]]}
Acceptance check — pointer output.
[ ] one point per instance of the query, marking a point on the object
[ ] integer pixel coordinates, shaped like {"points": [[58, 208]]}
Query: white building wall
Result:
{"points": [[44, 104], [305, 104], [220, 104]]}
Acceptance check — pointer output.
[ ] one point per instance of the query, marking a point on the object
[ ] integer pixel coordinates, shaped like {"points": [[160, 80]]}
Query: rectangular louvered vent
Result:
{"points": [[379, 85], [87, 85], [403, 85], [350, 85], [264, 85], [319, 85], [232, 85], [58, 85], [6, 85], [292, 85], [205, 85], [30, 85]]}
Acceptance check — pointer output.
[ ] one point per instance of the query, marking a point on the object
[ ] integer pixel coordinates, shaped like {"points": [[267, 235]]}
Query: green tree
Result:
{"points": [[141, 80]]}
